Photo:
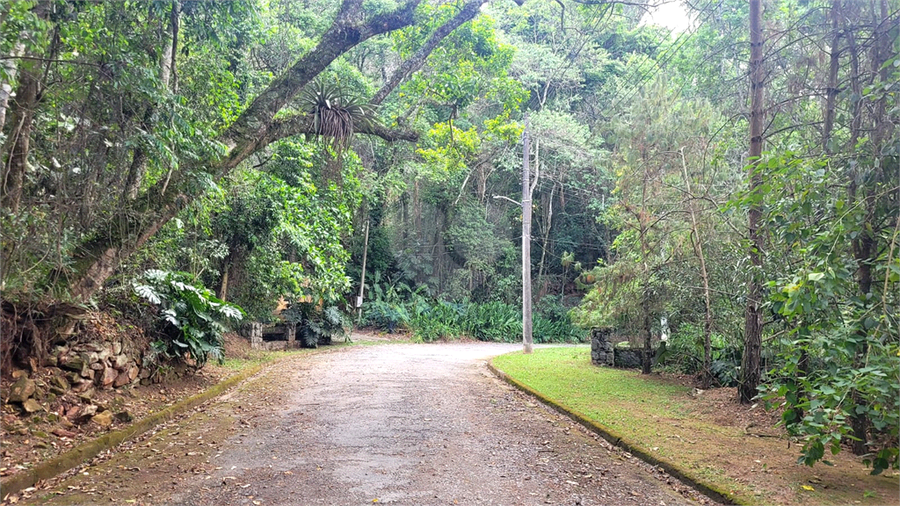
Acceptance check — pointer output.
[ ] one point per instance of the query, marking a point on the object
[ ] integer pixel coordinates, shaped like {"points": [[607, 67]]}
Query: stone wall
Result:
{"points": [[102, 364], [602, 352], [628, 358], [81, 361], [257, 333]]}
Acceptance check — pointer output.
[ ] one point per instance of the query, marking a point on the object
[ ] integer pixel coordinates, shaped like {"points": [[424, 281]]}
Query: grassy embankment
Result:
{"points": [[660, 420]]}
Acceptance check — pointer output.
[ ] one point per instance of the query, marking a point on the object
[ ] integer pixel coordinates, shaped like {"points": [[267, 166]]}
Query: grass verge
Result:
{"points": [[661, 422]]}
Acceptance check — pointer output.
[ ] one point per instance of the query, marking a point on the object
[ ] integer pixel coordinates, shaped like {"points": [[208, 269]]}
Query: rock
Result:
{"points": [[92, 347], [103, 355], [72, 362], [109, 376], [21, 390], [124, 416], [103, 419], [66, 329], [132, 373], [88, 374], [32, 406], [74, 378], [120, 362], [39, 433], [81, 387], [65, 423], [122, 379], [145, 373], [145, 381], [61, 432], [72, 412], [51, 360], [42, 445], [84, 413], [117, 347], [60, 383], [19, 374], [87, 396], [98, 366]]}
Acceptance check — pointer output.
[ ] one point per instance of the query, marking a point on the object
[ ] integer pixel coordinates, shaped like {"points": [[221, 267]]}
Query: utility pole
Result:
{"points": [[362, 280], [526, 245]]}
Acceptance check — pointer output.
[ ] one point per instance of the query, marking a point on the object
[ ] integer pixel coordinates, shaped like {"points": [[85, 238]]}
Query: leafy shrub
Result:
{"points": [[316, 325], [493, 321], [386, 315], [430, 320], [552, 323], [191, 318], [684, 354]]}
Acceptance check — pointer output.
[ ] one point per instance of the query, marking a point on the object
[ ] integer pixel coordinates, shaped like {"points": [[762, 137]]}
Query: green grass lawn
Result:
{"points": [[660, 421]]}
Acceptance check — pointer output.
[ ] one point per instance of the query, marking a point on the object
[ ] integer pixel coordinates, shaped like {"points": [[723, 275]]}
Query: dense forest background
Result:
{"points": [[731, 183]]}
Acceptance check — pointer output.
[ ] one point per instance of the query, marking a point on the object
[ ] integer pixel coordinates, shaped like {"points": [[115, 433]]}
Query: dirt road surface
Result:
{"points": [[395, 423]]}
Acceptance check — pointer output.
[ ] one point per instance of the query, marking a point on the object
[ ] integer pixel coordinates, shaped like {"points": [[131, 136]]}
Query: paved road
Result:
{"points": [[398, 423]]}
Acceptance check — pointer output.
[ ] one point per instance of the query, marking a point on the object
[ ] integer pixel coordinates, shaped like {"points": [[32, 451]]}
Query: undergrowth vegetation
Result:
{"points": [[427, 319], [191, 319]]}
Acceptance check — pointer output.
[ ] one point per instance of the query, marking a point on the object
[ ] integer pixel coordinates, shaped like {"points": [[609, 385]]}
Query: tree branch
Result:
{"points": [[345, 33], [299, 124], [415, 62]]}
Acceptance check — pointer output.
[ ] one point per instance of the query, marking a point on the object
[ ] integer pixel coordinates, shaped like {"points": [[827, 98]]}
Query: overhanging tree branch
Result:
{"points": [[137, 221], [415, 62], [299, 124]]}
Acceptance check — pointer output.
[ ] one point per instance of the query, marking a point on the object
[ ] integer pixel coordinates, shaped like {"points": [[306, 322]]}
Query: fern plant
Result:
{"points": [[192, 319]]}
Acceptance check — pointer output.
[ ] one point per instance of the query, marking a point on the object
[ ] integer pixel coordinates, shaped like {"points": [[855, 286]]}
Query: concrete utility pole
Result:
{"points": [[526, 245], [362, 281]]}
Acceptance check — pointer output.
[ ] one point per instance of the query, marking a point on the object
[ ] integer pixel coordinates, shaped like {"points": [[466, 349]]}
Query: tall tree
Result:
{"points": [[750, 362]]}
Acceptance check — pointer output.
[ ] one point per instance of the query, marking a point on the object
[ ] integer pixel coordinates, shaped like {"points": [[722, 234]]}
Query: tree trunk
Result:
{"points": [[706, 378], [10, 68], [22, 120], [19, 141], [750, 362], [646, 306], [831, 90], [545, 243], [647, 355], [223, 284], [865, 245]]}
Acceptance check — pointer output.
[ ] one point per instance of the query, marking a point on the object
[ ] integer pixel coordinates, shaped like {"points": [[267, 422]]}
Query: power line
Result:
{"points": [[665, 59]]}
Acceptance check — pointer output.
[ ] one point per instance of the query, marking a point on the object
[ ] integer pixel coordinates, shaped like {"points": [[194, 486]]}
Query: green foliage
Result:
{"points": [[336, 113], [839, 341], [394, 304], [317, 324], [192, 320], [684, 354]]}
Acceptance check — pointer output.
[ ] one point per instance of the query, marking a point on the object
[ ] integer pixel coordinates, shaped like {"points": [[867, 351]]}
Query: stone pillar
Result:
{"points": [[601, 347], [255, 332], [290, 332]]}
